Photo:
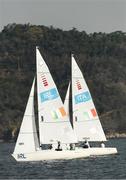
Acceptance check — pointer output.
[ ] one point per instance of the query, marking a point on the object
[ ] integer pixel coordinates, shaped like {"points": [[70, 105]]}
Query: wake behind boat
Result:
{"points": [[54, 124]]}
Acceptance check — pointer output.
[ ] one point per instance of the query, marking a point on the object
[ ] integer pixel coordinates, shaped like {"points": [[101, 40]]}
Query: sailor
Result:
{"points": [[102, 144], [72, 146], [59, 146], [50, 146], [86, 144]]}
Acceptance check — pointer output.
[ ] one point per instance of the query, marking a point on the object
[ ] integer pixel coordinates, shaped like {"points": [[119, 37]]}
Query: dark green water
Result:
{"points": [[104, 167]]}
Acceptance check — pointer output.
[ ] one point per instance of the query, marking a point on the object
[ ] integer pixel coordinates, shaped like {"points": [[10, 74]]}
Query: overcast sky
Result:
{"points": [[88, 15]]}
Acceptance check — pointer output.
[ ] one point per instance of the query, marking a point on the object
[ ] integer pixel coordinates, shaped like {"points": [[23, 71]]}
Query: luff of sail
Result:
{"points": [[54, 123], [27, 140], [85, 118]]}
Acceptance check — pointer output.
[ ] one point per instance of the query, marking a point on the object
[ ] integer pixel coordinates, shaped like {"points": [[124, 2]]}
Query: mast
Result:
{"points": [[39, 116], [72, 56]]}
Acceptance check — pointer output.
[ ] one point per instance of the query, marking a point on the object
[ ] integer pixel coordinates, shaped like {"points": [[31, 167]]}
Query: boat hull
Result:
{"points": [[52, 155], [65, 154], [98, 151]]}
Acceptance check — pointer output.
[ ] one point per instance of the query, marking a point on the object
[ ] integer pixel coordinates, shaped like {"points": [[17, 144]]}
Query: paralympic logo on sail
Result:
{"points": [[49, 95], [83, 97]]}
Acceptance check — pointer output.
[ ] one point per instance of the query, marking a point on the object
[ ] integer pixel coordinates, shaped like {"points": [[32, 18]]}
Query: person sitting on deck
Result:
{"points": [[72, 146], [102, 144], [86, 144], [59, 147], [50, 146]]}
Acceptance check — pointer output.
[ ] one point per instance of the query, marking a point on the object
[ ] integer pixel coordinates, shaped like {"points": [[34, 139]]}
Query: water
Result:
{"points": [[104, 167]]}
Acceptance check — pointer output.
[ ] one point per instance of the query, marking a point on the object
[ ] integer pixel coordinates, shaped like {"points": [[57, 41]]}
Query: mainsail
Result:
{"points": [[54, 123], [27, 140], [85, 118]]}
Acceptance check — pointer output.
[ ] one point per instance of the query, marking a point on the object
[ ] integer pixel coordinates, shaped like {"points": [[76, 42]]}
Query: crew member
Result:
{"points": [[86, 144]]}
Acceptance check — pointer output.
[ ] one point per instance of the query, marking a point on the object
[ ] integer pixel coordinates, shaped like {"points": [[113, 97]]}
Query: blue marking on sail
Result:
{"points": [[49, 95], [82, 97]]}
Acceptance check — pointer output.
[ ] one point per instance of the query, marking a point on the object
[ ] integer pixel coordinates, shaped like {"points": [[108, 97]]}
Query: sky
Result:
{"points": [[84, 15]]}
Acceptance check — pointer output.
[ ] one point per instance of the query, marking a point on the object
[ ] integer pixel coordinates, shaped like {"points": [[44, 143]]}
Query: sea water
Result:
{"points": [[102, 167]]}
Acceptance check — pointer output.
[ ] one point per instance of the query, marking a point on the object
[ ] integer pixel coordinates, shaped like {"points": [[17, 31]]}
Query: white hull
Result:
{"points": [[97, 151], [52, 155], [65, 154]]}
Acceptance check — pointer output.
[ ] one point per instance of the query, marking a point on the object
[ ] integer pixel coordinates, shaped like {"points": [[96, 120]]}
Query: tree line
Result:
{"points": [[100, 56]]}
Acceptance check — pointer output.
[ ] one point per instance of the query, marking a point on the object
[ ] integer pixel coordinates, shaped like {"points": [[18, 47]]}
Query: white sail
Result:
{"points": [[67, 100], [54, 123], [27, 140], [85, 118]]}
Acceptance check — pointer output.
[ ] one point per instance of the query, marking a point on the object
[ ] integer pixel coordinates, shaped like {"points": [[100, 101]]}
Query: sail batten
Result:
{"points": [[85, 118]]}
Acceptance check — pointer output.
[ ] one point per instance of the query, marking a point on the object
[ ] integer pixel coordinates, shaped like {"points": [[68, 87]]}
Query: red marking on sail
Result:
{"points": [[94, 113], [44, 80], [78, 85]]}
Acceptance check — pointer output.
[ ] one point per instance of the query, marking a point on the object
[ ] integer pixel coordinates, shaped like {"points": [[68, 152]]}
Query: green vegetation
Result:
{"points": [[101, 57]]}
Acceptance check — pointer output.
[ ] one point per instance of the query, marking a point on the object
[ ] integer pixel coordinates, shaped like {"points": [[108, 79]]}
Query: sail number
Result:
{"points": [[21, 156], [83, 97]]}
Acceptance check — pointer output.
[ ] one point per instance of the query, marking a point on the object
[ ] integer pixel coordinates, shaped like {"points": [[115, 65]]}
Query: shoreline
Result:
{"points": [[108, 136], [116, 135]]}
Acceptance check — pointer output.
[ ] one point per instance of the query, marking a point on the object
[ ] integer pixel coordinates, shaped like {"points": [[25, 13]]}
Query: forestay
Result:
{"points": [[27, 140], [54, 123], [85, 118]]}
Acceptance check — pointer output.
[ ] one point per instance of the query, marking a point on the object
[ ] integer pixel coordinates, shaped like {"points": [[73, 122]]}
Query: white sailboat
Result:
{"points": [[54, 125], [86, 122]]}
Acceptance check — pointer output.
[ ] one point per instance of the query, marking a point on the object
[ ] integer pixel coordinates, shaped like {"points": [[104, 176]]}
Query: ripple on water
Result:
{"points": [[112, 166]]}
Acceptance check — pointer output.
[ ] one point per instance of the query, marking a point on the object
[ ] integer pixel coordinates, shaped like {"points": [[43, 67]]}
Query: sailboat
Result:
{"points": [[86, 122], [54, 124]]}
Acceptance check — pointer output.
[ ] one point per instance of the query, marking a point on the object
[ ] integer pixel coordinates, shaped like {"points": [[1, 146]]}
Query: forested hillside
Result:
{"points": [[100, 56]]}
